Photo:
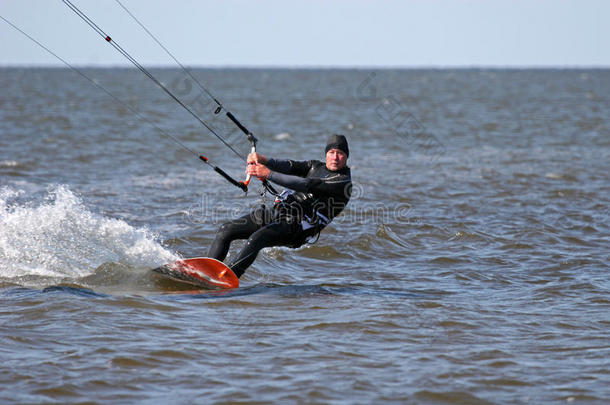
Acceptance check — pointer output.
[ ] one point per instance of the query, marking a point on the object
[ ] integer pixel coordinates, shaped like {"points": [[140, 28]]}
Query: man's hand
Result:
{"points": [[258, 170], [256, 158]]}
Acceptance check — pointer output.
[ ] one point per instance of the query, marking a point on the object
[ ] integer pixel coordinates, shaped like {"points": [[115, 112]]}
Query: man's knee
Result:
{"points": [[263, 238], [256, 241], [225, 230]]}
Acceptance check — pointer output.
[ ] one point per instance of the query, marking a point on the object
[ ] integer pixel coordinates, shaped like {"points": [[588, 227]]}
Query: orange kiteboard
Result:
{"points": [[200, 271]]}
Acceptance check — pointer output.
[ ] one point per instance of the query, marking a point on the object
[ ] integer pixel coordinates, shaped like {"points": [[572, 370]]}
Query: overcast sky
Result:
{"points": [[401, 33]]}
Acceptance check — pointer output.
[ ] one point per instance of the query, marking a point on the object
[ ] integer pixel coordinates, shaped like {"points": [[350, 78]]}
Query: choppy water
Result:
{"points": [[471, 266]]}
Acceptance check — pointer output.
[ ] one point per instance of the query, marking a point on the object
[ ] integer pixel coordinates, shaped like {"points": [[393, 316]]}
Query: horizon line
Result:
{"points": [[316, 67]]}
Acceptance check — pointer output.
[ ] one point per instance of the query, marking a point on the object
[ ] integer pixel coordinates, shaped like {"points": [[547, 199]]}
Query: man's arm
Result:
{"points": [[295, 183], [291, 174], [262, 171], [338, 185], [279, 165]]}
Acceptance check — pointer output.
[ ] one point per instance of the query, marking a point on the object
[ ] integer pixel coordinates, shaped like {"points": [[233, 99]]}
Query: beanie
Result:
{"points": [[337, 142]]}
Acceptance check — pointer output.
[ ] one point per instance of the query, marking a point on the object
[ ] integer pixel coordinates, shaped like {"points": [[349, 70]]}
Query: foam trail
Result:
{"points": [[60, 237]]}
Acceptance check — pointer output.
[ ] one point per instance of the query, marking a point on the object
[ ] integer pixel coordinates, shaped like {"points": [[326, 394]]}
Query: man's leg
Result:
{"points": [[240, 228], [275, 234]]}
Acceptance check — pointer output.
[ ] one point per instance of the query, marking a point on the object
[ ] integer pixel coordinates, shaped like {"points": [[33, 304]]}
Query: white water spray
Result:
{"points": [[60, 237]]}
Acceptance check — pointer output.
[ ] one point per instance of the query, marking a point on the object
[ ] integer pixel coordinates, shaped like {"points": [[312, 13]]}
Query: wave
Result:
{"points": [[59, 237]]}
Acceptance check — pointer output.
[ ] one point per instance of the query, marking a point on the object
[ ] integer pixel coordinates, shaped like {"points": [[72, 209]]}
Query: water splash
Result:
{"points": [[60, 237]]}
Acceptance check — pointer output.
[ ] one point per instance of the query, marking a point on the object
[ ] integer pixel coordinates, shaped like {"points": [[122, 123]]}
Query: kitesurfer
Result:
{"points": [[317, 193]]}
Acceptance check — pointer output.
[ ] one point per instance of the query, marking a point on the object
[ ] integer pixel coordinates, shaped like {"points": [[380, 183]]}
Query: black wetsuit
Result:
{"points": [[319, 196]]}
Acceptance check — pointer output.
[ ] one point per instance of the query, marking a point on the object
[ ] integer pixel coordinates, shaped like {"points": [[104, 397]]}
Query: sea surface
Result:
{"points": [[470, 267]]}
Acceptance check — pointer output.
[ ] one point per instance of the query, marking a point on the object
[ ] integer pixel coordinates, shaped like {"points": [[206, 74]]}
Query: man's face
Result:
{"points": [[335, 160]]}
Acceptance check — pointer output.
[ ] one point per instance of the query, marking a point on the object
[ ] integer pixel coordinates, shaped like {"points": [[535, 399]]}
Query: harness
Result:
{"points": [[299, 208]]}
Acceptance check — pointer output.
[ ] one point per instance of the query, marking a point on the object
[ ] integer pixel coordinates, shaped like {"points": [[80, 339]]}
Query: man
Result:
{"points": [[319, 192]]}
